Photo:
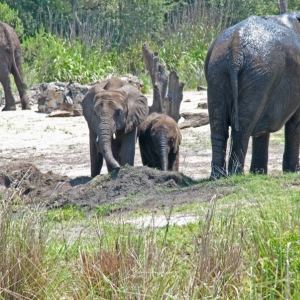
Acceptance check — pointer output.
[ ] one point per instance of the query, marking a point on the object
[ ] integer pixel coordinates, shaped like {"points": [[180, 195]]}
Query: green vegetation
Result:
{"points": [[87, 40], [244, 245]]}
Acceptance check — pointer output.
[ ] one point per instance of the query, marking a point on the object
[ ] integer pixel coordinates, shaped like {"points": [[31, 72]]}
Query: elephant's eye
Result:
{"points": [[119, 112]]}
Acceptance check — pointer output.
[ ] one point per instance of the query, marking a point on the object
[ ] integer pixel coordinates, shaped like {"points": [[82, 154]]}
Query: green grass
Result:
{"points": [[243, 244]]}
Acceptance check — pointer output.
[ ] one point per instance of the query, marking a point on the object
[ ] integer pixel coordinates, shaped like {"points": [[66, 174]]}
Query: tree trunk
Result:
{"points": [[158, 77], [282, 6], [163, 103], [174, 97]]}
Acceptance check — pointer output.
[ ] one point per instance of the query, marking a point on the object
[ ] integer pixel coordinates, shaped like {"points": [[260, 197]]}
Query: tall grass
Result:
{"points": [[241, 246]]}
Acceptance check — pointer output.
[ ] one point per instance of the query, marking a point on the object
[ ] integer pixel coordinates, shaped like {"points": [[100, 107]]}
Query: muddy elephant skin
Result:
{"points": [[159, 140], [253, 76], [11, 63], [113, 110]]}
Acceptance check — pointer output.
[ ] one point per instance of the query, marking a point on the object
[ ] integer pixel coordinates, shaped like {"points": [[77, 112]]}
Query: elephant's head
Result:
{"points": [[166, 137], [112, 111]]}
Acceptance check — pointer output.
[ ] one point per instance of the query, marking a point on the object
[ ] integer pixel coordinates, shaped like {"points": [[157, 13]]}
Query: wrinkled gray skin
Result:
{"points": [[159, 139], [253, 75], [113, 108], [11, 63]]}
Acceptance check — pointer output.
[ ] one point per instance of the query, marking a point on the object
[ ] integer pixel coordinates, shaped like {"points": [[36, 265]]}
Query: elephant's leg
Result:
{"points": [[291, 148], [219, 125], [127, 150], [238, 151], [95, 157], [259, 161], [5, 80], [18, 74], [173, 164], [219, 144]]}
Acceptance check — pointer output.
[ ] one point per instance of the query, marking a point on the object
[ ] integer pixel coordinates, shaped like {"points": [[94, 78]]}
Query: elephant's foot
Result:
{"points": [[217, 173], [25, 104], [26, 107], [8, 108]]}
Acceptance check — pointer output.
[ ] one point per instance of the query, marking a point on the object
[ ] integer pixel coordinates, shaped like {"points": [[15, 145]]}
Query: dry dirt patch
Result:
{"points": [[54, 153]]}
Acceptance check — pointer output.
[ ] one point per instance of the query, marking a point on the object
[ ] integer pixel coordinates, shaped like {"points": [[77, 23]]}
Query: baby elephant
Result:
{"points": [[159, 139]]}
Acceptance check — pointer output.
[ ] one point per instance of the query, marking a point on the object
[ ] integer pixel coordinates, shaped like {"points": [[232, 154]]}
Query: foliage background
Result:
{"points": [[87, 40]]}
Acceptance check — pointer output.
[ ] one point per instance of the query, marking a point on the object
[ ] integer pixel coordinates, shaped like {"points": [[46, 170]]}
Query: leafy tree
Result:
{"points": [[34, 13], [10, 16]]}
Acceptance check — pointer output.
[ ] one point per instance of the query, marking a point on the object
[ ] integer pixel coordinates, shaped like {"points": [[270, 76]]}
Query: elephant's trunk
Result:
{"points": [[105, 138], [163, 153]]}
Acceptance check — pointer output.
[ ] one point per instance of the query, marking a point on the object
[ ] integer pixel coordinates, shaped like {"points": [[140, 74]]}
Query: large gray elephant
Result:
{"points": [[11, 63], [253, 76], [159, 140], [113, 109]]}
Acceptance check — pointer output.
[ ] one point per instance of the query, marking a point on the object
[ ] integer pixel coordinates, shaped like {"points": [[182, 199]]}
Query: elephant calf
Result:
{"points": [[159, 139], [113, 109]]}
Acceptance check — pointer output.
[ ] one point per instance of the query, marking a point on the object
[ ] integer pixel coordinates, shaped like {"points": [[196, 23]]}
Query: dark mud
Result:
{"points": [[127, 189]]}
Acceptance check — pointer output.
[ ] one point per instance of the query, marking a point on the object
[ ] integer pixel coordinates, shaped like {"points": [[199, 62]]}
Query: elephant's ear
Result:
{"points": [[88, 103], [137, 105], [177, 141]]}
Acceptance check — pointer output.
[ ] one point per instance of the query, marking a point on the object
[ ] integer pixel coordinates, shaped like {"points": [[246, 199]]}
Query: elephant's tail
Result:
{"points": [[235, 94]]}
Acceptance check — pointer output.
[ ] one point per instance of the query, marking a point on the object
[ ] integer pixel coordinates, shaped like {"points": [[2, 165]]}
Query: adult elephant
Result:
{"points": [[11, 63], [113, 109], [253, 76], [159, 140]]}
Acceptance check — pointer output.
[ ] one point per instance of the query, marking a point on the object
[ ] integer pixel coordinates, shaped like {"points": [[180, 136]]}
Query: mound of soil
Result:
{"points": [[25, 180], [127, 189]]}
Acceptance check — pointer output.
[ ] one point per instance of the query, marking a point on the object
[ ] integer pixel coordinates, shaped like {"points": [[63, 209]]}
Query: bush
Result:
{"points": [[10, 16]]}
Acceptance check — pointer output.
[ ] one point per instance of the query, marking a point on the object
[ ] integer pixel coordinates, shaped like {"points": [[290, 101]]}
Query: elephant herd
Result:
{"points": [[252, 71]]}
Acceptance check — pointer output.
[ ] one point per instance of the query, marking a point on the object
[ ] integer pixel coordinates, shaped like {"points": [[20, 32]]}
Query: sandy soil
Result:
{"points": [[60, 146]]}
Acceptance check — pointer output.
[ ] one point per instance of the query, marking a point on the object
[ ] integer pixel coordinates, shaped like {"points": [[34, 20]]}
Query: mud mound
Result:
{"points": [[126, 189], [29, 183], [124, 184]]}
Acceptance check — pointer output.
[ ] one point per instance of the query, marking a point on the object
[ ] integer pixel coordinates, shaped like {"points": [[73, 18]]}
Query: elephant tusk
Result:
{"points": [[114, 136], [97, 138]]}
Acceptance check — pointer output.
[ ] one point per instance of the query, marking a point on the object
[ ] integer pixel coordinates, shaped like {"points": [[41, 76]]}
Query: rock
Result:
{"points": [[60, 113], [202, 105], [187, 100], [201, 88], [194, 120], [58, 96]]}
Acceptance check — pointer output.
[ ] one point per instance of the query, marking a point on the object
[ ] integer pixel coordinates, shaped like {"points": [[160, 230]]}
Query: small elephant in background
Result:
{"points": [[113, 110], [11, 63], [159, 139]]}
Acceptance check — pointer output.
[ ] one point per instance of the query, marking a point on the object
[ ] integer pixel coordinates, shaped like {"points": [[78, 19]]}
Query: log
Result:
{"points": [[175, 95], [194, 120], [168, 104], [158, 77]]}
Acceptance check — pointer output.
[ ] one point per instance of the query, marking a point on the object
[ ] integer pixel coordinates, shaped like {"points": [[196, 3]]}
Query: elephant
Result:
{"points": [[113, 109], [159, 139], [11, 62], [253, 86]]}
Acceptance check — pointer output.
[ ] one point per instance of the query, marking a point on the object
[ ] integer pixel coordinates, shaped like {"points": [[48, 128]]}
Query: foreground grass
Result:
{"points": [[243, 244]]}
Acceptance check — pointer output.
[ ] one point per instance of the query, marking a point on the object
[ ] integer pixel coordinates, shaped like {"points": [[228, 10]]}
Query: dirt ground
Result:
{"points": [[46, 160]]}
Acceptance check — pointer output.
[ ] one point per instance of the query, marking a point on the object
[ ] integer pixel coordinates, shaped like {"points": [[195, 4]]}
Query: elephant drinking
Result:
{"points": [[113, 110], [159, 140]]}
